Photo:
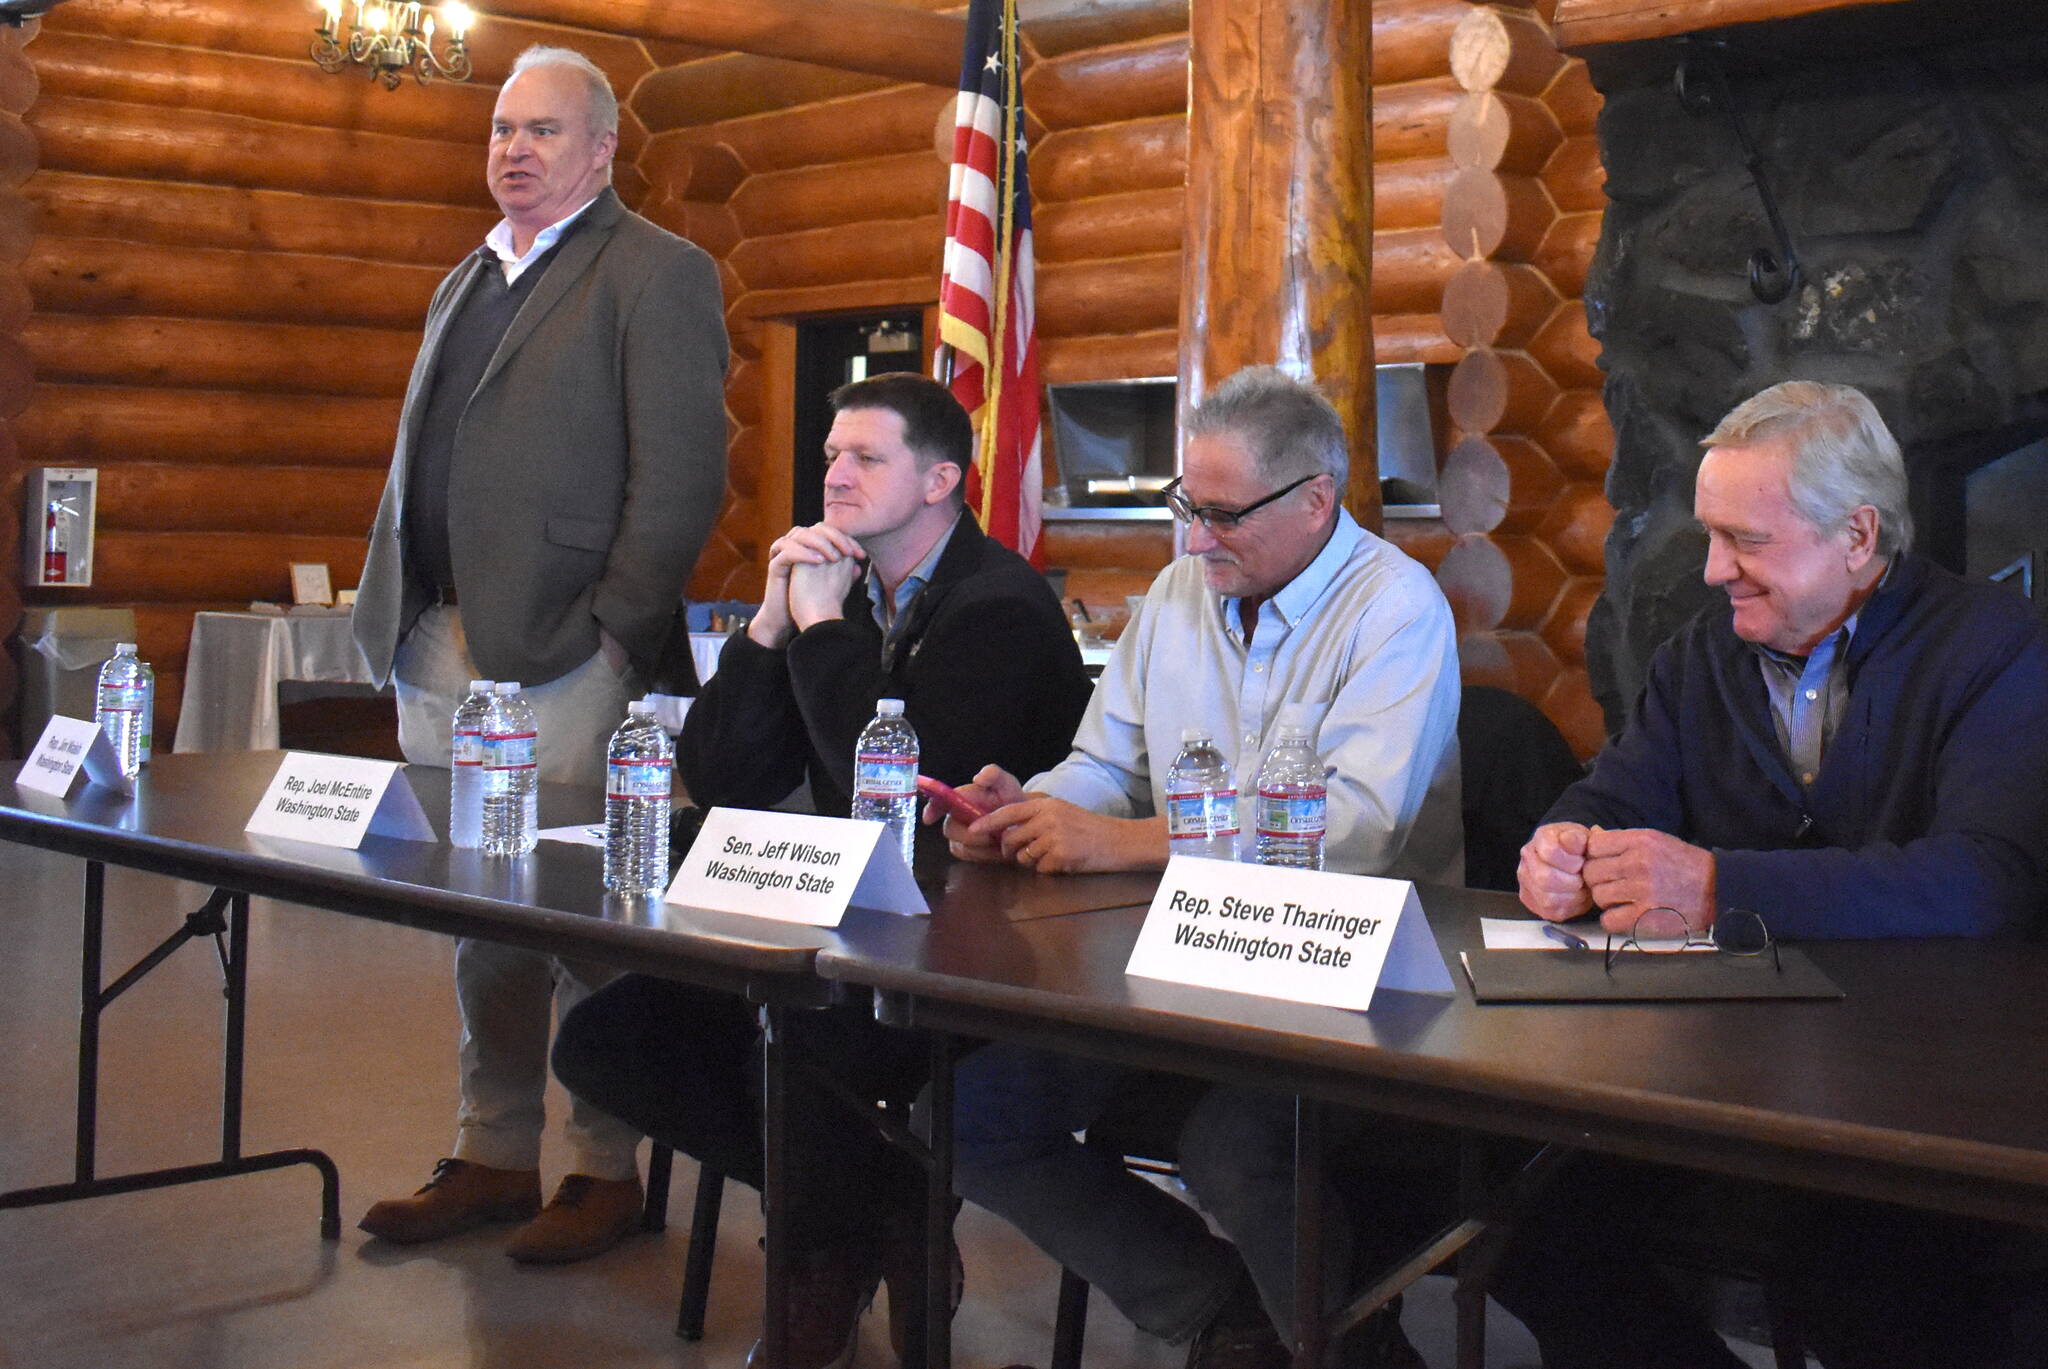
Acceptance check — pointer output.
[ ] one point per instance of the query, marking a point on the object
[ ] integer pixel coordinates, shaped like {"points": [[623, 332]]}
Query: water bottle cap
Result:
{"points": [[640, 708], [124, 648], [505, 687], [480, 686], [1190, 735], [888, 708]]}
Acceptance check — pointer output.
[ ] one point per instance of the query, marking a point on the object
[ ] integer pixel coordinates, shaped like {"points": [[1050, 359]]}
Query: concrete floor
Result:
{"points": [[351, 1049]]}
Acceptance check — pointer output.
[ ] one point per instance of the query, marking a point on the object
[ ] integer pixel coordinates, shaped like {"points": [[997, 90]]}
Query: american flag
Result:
{"points": [[986, 319]]}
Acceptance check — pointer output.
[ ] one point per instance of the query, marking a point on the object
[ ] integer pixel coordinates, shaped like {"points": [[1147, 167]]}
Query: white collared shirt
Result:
{"points": [[499, 240]]}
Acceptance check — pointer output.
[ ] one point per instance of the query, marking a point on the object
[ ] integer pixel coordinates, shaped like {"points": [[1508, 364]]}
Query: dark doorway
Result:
{"points": [[830, 353]]}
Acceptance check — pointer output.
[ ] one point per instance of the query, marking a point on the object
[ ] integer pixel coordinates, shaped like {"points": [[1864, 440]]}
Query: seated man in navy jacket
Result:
{"points": [[1855, 746], [896, 594]]}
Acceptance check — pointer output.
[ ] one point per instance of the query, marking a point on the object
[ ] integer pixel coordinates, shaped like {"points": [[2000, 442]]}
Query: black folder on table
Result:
{"points": [[1639, 977]]}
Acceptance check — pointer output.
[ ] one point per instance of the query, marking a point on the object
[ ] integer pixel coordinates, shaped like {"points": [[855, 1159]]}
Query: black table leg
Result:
{"points": [[774, 1181], [93, 1000], [1309, 1326], [1470, 1298], [938, 1211]]}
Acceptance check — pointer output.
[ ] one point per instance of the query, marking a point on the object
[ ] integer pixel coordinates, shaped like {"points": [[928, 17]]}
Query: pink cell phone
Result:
{"points": [[955, 803]]}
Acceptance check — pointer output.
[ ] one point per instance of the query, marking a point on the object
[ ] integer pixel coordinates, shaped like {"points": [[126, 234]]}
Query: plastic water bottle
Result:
{"points": [[637, 773], [511, 816], [1201, 800], [885, 773], [126, 705], [466, 768], [1293, 803]]}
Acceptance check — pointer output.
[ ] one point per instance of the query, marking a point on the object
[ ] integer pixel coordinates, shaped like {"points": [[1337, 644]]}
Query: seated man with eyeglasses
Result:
{"points": [[1283, 610], [1856, 745]]}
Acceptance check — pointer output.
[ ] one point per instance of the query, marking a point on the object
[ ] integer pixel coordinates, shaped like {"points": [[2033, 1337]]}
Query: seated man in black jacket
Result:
{"points": [[897, 594]]}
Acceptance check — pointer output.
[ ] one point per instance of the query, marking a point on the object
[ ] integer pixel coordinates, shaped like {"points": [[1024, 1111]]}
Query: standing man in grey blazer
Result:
{"points": [[560, 459]]}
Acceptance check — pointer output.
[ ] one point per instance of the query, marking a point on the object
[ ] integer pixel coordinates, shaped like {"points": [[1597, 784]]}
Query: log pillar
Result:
{"points": [[1277, 262]]}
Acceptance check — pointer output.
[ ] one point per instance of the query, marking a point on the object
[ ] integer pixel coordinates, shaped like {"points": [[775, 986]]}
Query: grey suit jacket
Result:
{"points": [[589, 464]]}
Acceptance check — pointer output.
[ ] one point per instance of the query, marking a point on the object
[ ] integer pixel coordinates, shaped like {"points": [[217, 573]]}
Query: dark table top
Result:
{"points": [[186, 819], [1927, 1083]]}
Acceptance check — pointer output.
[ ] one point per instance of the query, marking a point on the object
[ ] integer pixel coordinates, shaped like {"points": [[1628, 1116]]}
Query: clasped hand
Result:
{"points": [[1568, 868], [810, 571]]}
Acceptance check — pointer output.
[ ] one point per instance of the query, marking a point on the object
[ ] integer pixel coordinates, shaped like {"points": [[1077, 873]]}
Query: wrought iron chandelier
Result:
{"points": [[391, 38]]}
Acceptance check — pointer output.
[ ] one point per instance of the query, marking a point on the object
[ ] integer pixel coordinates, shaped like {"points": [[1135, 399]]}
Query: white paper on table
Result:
{"points": [[576, 834], [1527, 934]]}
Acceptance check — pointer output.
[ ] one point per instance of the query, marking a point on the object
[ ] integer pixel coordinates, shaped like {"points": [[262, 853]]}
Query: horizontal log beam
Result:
{"points": [[102, 425], [1109, 85], [837, 256], [217, 354], [1411, 39], [1578, 435], [149, 497], [1143, 154], [1114, 356], [888, 121], [236, 566], [103, 276], [1131, 294], [1566, 252], [737, 84], [140, 141], [1101, 25], [283, 91], [1410, 120], [286, 31], [1576, 528], [72, 204], [1409, 270], [751, 306], [1399, 339], [1132, 224], [907, 185], [1589, 23], [853, 35], [1568, 351]]}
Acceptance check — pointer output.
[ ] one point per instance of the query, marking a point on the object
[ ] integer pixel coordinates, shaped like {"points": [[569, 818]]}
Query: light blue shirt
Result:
{"points": [[893, 611], [1360, 646], [1808, 698], [499, 240]]}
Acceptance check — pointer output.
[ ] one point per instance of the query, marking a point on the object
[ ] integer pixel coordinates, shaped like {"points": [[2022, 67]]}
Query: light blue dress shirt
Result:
{"points": [[1360, 646]]}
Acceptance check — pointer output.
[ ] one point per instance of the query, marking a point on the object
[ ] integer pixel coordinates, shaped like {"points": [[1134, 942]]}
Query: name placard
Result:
{"points": [[793, 867], [337, 801], [69, 748], [1307, 936]]}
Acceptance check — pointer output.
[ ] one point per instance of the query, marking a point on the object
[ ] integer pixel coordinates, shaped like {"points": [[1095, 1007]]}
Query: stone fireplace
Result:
{"points": [[1906, 148]]}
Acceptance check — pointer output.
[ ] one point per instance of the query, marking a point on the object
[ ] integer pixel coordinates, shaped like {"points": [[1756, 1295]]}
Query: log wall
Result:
{"points": [[19, 89], [1486, 207], [233, 256], [1521, 485]]}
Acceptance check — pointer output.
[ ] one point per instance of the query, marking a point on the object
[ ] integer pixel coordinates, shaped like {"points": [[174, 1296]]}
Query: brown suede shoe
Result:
{"points": [[587, 1216], [460, 1197]]}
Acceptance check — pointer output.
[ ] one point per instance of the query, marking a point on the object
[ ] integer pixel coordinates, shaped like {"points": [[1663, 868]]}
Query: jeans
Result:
{"points": [[1014, 1153], [683, 1064]]}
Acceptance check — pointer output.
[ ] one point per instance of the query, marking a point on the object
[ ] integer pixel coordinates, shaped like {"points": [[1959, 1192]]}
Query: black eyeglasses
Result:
{"points": [[1736, 932], [1222, 520]]}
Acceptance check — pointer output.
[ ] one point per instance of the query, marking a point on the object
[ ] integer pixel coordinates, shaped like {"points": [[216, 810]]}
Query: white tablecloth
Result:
{"points": [[235, 663]]}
